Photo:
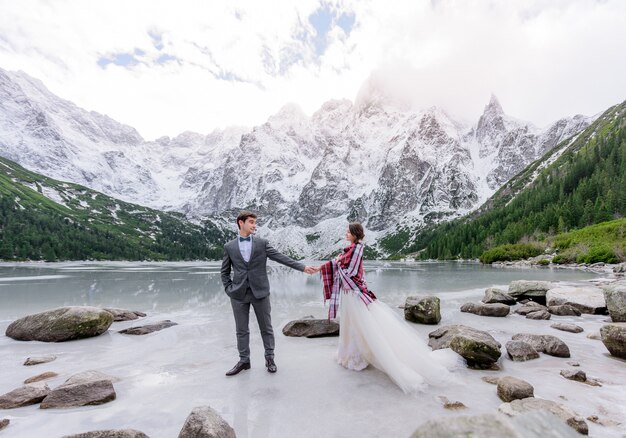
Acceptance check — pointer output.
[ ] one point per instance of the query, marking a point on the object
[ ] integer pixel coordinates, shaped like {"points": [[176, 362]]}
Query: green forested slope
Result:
{"points": [[82, 224], [585, 185]]}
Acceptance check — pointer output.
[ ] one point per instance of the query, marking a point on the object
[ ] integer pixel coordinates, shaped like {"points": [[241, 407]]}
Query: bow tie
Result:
{"points": [[244, 239]]}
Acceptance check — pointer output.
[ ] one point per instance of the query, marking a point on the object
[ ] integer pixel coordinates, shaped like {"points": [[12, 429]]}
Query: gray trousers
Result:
{"points": [[262, 310]]}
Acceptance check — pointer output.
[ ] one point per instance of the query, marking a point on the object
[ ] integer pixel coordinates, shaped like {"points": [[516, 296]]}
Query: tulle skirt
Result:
{"points": [[375, 334]]}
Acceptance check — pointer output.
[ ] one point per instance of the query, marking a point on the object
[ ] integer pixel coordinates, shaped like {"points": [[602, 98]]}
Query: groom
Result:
{"points": [[247, 256]]}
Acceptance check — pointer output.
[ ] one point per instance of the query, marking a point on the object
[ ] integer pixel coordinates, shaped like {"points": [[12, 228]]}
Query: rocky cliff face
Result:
{"points": [[378, 161]]}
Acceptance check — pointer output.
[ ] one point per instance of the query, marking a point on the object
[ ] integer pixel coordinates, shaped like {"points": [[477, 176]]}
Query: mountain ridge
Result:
{"points": [[375, 160]]}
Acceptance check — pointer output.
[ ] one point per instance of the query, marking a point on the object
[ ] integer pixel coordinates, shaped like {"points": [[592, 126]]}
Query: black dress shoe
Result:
{"points": [[239, 367], [271, 366]]}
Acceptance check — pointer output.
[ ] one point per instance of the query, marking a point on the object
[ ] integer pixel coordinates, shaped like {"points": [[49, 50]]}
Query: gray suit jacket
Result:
{"points": [[253, 274]]}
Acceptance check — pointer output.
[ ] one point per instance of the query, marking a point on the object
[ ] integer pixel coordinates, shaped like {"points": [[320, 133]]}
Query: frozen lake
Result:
{"points": [[164, 375]]}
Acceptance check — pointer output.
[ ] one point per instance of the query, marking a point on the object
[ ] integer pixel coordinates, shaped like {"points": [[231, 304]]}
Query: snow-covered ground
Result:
{"points": [[165, 374]]}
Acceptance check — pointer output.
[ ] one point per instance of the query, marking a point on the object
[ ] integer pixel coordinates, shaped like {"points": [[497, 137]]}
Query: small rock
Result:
{"points": [[453, 406], [511, 388], [111, 433], [497, 309], [620, 268], [39, 360], [574, 364], [530, 307], [40, 377], [579, 375], [564, 310], [311, 328], [607, 423], [4, 423], [204, 422], [520, 351], [493, 380], [149, 328], [572, 328], [82, 389], [123, 314], [423, 310], [494, 295], [595, 336], [614, 338], [540, 314], [24, 396], [547, 344]]}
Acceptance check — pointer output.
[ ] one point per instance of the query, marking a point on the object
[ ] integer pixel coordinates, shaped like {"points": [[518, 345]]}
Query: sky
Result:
{"points": [[165, 67]]}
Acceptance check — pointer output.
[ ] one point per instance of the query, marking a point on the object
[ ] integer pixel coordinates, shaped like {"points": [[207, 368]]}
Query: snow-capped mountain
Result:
{"points": [[378, 160]]}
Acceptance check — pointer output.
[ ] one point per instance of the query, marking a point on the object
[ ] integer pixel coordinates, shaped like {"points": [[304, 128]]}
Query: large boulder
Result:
{"points": [[496, 425], [547, 344], [123, 314], [24, 396], [62, 324], [478, 348], [111, 433], [587, 299], [511, 388], [530, 404], [615, 298], [82, 389], [481, 309], [520, 351], [423, 310], [204, 422], [614, 338], [311, 328], [494, 295], [148, 328], [536, 290]]}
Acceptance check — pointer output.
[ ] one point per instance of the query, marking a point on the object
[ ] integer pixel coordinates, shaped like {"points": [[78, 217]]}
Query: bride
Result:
{"points": [[370, 331]]}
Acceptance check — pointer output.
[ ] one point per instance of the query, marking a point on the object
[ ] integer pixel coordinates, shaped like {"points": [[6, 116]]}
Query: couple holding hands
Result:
{"points": [[370, 331]]}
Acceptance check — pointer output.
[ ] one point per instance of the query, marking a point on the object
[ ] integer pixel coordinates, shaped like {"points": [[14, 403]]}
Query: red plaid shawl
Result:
{"points": [[345, 273]]}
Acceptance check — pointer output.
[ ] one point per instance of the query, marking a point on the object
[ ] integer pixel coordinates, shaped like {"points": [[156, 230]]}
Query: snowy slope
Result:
{"points": [[378, 160]]}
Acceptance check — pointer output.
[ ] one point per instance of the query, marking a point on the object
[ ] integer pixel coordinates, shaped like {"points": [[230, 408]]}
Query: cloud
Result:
{"points": [[165, 67]]}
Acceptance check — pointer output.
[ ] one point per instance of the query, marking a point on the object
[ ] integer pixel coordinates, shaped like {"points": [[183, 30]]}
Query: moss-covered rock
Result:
{"points": [[62, 324], [423, 310], [614, 338], [479, 352]]}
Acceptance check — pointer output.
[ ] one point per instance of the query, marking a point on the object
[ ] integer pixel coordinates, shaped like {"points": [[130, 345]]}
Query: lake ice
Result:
{"points": [[164, 375]]}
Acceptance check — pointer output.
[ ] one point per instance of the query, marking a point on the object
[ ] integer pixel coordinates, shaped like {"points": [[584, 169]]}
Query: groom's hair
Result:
{"points": [[243, 216], [356, 229]]}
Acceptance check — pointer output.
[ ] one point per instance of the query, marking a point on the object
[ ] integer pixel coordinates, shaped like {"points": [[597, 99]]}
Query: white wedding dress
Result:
{"points": [[375, 334]]}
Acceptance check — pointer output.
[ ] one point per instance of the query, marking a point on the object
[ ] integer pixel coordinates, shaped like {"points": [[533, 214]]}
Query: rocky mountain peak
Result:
{"points": [[290, 115], [380, 161]]}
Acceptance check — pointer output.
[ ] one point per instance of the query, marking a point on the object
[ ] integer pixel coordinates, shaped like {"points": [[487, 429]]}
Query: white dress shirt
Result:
{"points": [[246, 248]]}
